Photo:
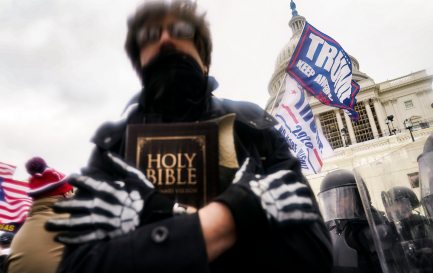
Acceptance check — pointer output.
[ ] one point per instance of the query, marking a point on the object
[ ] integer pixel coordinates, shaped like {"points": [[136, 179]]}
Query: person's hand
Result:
{"points": [[282, 196], [279, 197], [101, 209]]}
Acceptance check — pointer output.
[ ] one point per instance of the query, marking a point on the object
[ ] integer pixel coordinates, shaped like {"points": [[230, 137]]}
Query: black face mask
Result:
{"points": [[175, 87]]}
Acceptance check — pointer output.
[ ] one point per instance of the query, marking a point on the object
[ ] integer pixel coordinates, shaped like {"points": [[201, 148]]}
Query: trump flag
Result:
{"points": [[297, 125], [321, 66], [14, 200]]}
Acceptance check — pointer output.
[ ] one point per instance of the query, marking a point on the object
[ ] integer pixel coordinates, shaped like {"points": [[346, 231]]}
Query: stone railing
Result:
{"points": [[381, 143]]}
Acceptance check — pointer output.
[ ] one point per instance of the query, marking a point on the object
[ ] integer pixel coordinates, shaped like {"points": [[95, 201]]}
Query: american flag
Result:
{"points": [[14, 200]]}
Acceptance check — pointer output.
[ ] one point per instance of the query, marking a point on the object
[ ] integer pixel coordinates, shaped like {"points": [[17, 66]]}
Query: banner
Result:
{"points": [[324, 69], [297, 125], [14, 200]]}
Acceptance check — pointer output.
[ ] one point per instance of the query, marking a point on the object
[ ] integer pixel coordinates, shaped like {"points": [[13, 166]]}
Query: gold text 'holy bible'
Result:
{"points": [[181, 159]]}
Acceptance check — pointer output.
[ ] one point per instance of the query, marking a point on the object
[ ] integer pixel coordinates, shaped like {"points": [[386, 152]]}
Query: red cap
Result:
{"points": [[48, 183]]}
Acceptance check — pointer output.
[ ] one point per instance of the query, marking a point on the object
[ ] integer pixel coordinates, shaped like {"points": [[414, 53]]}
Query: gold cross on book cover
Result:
{"points": [[182, 160]]}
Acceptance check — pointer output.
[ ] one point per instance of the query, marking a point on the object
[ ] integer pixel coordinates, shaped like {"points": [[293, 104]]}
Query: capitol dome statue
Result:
{"points": [[296, 24]]}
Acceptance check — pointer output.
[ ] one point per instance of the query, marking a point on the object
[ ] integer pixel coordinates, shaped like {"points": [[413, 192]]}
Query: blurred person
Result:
{"points": [[5, 244], [344, 215], [415, 231], [265, 220], [425, 164], [401, 205], [33, 249]]}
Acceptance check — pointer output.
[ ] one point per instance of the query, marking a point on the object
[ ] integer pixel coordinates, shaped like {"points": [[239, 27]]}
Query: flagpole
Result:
{"points": [[278, 93]]}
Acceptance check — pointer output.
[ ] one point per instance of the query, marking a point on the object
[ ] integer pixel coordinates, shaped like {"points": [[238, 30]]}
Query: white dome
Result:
{"points": [[297, 24], [357, 75]]}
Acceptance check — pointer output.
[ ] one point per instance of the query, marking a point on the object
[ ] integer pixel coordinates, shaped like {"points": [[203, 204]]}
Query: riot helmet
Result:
{"points": [[399, 202], [339, 197]]}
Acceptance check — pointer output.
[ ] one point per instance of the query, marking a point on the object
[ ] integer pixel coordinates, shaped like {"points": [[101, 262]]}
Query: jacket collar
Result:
{"points": [[247, 113]]}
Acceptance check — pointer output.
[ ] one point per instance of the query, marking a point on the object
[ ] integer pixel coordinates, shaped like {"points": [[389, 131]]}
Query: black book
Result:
{"points": [[180, 159]]}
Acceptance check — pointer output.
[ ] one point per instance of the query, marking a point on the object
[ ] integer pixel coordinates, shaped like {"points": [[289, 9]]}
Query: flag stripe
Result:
{"points": [[14, 206], [290, 113], [16, 187], [17, 191], [14, 218], [318, 157], [5, 174], [6, 170], [9, 214], [17, 183]]}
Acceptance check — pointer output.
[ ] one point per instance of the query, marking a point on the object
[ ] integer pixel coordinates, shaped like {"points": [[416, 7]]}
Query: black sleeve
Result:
{"points": [[308, 246], [162, 243], [266, 246], [171, 245]]}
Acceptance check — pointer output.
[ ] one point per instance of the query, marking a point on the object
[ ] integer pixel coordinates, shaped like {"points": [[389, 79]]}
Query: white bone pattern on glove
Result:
{"points": [[285, 203], [100, 210]]}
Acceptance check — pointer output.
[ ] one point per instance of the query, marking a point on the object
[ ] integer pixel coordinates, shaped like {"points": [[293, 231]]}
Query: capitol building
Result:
{"points": [[395, 118]]}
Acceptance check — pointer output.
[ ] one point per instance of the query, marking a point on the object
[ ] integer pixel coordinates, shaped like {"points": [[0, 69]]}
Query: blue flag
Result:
{"points": [[321, 66]]}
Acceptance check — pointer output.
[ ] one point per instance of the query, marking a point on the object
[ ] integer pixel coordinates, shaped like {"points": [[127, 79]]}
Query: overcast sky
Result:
{"points": [[63, 70]]}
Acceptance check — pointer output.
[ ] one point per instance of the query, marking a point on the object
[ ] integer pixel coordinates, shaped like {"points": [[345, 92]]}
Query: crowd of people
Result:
{"points": [[111, 218]]}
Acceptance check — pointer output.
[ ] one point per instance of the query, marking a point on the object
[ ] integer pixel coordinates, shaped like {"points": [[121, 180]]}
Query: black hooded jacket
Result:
{"points": [[181, 247]]}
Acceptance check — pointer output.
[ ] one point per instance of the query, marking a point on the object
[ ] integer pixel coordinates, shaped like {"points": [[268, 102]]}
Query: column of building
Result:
{"points": [[371, 119], [350, 129], [380, 115], [340, 124], [318, 124]]}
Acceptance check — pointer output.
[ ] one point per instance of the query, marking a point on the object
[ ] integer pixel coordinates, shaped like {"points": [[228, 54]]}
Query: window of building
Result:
{"points": [[330, 129], [408, 104], [362, 127]]}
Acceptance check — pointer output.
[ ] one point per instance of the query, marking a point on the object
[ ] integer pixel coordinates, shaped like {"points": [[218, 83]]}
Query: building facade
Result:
{"points": [[386, 111]]}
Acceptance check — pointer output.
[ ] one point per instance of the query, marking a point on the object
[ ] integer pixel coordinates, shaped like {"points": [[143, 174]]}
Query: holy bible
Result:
{"points": [[180, 159]]}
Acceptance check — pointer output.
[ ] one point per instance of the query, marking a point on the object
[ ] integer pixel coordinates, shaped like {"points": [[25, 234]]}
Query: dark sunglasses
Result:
{"points": [[152, 33]]}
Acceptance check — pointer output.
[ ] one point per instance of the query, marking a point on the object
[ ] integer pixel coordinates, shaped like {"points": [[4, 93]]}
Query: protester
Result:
{"points": [[354, 250], [267, 220], [33, 249]]}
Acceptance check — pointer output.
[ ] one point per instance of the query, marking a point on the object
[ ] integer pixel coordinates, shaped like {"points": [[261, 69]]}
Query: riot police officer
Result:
{"points": [[344, 216], [425, 164], [414, 231], [401, 202]]}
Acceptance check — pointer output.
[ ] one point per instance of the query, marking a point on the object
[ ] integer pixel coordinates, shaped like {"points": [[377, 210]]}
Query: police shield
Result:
{"points": [[425, 163], [401, 229]]}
